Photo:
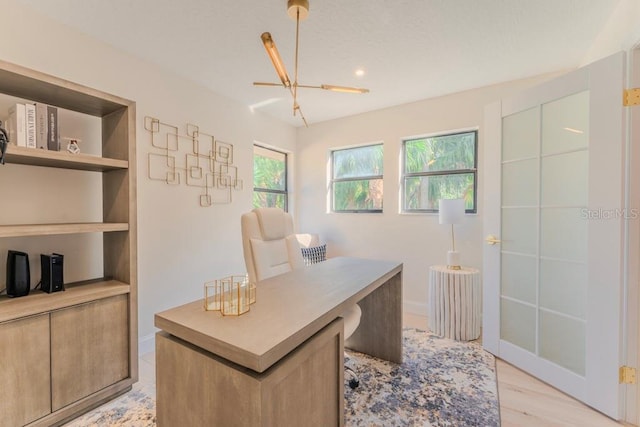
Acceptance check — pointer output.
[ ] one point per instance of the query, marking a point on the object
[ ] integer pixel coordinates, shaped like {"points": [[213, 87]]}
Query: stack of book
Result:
{"points": [[34, 126]]}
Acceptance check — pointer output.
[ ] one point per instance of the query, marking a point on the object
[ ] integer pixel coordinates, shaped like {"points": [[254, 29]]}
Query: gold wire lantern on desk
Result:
{"points": [[213, 295], [232, 295]]}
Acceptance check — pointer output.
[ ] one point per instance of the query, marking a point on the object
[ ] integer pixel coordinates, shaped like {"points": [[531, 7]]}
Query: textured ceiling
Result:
{"points": [[409, 49]]}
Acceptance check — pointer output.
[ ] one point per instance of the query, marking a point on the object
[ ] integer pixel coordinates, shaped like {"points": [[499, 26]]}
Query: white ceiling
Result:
{"points": [[410, 49]]}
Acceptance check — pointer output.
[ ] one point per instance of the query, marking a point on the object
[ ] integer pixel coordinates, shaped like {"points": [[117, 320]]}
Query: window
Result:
{"points": [[356, 179], [440, 167], [269, 178]]}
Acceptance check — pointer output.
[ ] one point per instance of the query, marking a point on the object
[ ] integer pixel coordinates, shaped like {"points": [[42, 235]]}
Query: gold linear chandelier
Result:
{"points": [[298, 10]]}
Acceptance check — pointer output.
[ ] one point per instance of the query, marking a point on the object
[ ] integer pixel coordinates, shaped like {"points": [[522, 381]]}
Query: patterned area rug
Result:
{"points": [[440, 383], [136, 408]]}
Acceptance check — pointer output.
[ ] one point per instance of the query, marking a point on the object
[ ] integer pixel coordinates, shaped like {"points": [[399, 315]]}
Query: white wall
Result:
{"points": [[180, 244], [417, 240], [620, 33]]}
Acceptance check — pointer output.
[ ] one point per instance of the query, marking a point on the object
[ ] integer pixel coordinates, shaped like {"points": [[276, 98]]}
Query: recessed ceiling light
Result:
{"points": [[359, 72]]}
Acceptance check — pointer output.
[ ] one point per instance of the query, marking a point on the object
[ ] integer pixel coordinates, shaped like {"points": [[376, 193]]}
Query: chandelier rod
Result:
{"points": [[295, 71]]}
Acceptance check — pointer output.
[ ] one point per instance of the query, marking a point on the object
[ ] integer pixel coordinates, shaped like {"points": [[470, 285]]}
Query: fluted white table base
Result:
{"points": [[455, 302]]}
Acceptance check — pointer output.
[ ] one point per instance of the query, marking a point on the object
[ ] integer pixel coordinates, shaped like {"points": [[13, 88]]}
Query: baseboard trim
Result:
{"points": [[146, 344], [413, 307]]}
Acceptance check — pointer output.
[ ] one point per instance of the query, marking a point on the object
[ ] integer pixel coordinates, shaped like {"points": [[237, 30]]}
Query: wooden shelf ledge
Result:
{"points": [[62, 159], [25, 230], [38, 302]]}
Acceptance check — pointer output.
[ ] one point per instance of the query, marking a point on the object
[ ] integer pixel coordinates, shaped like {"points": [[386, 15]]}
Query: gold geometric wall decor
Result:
{"points": [[196, 159]]}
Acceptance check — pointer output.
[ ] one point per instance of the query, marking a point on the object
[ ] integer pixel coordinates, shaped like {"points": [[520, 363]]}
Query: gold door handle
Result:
{"points": [[492, 240]]}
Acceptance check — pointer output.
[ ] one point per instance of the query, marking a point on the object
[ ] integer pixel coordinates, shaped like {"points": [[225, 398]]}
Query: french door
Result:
{"points": [[555, 217]]}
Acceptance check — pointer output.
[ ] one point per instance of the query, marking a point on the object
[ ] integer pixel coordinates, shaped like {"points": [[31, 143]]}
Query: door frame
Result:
{"points": [[605, 299], [632, 324]]}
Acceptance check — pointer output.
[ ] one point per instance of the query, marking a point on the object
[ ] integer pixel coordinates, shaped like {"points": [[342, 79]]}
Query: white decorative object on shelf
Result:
{"points": [[72, 146]]}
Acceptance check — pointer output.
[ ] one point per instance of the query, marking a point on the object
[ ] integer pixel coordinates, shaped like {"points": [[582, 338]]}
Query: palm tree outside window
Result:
{"points": [[269, 178], [356, 179], [440, 167]]}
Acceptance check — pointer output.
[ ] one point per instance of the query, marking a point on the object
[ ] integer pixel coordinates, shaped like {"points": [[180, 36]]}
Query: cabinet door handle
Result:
{"points": [[492, 240]]}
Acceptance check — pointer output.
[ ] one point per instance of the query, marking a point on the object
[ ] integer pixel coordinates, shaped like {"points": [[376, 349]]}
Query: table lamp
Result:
{"points": [[452, 212]]}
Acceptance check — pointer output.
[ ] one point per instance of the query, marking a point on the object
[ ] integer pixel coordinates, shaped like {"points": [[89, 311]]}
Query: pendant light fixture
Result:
{"points": [[297, 10]]}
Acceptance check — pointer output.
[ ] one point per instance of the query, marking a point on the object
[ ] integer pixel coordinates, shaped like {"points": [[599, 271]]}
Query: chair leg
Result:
{"points": [[354, 382]]}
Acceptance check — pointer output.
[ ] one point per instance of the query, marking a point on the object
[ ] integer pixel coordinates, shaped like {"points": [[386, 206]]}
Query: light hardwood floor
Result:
{"points": [[526, 401]]}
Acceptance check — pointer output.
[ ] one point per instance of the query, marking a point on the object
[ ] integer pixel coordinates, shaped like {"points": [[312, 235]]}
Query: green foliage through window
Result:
{"points": [[356, 184], [269, 178], [440, 167]]}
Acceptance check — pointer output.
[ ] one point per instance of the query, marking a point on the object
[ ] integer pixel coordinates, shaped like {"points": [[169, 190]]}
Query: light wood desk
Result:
{"points": [[281, 363]]}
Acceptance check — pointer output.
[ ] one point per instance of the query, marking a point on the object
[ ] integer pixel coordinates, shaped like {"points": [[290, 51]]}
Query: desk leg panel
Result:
{"points": [[194, 389], [306, 388], [197, 388], [380, 331]]}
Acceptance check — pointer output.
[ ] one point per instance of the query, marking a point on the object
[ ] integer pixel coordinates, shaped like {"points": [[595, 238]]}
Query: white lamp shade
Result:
{"points": [[451, 211]]}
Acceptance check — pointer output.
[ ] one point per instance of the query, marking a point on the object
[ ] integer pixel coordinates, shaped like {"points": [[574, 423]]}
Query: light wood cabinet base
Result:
{"points": [[197, 388], [84, 405], [25, 394], [89, 349]]}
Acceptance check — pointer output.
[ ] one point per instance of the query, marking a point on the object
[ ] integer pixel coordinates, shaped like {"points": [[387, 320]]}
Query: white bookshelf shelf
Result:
{"points": [[26, 230], [61, 159]]}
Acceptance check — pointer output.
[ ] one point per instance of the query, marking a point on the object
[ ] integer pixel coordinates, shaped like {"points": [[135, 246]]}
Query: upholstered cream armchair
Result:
{"points": [[269, 244], [271, 248]]}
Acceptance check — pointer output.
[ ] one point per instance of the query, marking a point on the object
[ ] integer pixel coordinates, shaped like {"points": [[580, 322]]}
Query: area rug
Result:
{"points": [[440, 383]]}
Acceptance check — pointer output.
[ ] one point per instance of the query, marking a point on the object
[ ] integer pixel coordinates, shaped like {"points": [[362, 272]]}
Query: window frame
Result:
{"points": [[332, 180], [444, 172], [284, 192]]}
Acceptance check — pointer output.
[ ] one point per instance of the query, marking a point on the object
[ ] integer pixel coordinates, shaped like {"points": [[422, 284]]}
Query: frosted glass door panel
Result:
{"points": [[518, 278], [520, 230], [563, 287], [564, 179], [518, 324], [521, 135], [565, 124], [520, 183], [562, 341], [543, 272], [563, 234]]}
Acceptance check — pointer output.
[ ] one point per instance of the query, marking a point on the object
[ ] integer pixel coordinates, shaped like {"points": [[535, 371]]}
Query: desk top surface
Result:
{"points": [[289, 309]]}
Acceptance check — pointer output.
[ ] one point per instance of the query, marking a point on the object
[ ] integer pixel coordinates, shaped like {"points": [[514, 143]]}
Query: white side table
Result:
{"points": [[455, 300]]}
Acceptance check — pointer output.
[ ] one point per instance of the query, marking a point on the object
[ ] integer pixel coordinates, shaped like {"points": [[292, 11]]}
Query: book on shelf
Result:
{"points": [[41, 125], [53, 132], [47, 129], [17, 125], [30, 123]]}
